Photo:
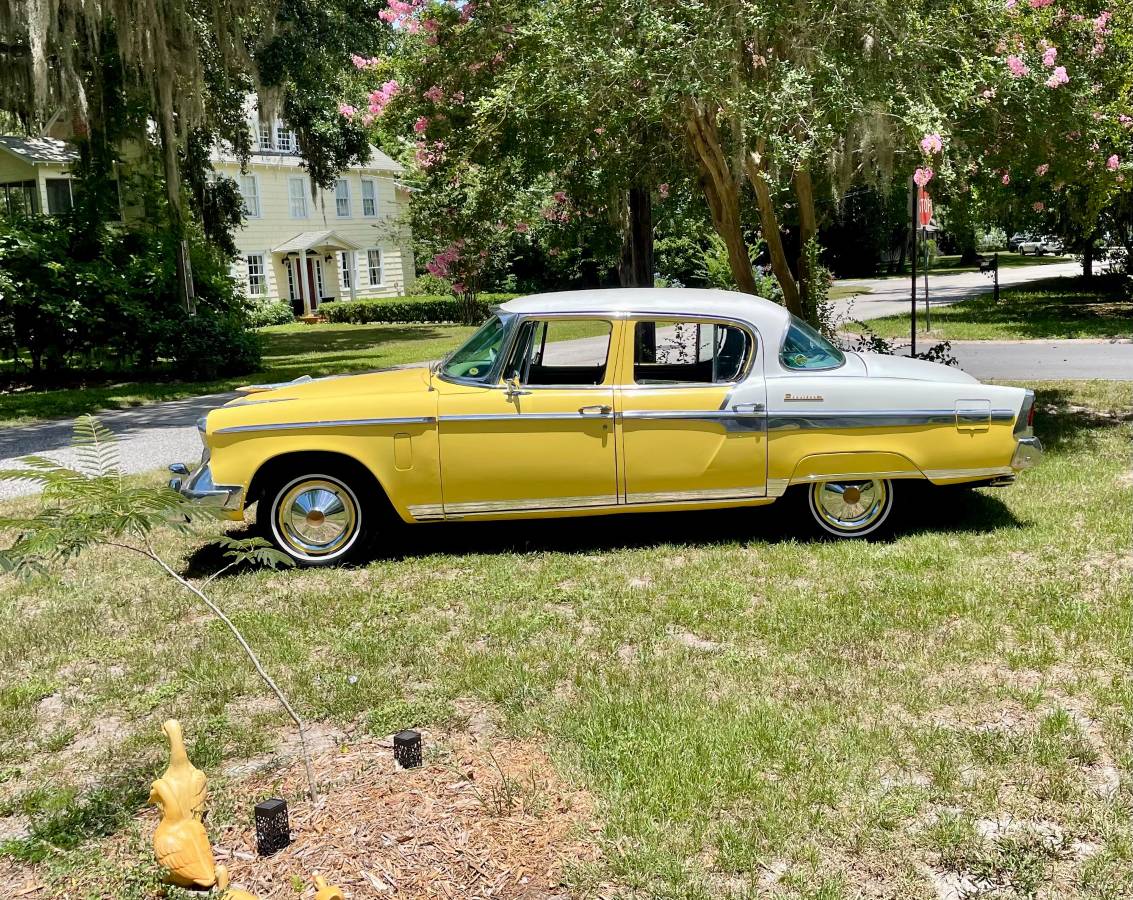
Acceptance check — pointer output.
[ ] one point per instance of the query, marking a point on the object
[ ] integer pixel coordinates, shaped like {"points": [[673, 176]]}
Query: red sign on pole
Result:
{"points": [[924, 208]]}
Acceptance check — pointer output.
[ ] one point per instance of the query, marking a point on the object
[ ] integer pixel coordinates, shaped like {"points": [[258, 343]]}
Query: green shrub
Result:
{"points": [[429, 285], [412, 309], [272, 312]]}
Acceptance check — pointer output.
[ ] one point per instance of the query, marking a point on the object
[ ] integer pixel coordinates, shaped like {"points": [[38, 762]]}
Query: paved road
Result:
{"points": [[1046, 360], [890, 296]]}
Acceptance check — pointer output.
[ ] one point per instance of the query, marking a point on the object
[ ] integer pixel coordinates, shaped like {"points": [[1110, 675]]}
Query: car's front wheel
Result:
{"points": [[851, 509], [316, 519]]}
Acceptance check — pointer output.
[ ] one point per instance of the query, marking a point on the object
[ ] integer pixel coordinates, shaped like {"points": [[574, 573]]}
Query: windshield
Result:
{"points": [[474, 359], [805, 348]]}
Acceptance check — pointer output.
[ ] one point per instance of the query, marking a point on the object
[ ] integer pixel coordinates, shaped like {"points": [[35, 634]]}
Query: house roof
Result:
{"points": [[39, 150], [378, 161], [315, 240]]}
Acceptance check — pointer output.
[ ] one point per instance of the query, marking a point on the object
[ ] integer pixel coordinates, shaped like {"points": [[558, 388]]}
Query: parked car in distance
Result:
{"points": [[1016, 239], [1052, 244], [1040, 245], [608, 401]]}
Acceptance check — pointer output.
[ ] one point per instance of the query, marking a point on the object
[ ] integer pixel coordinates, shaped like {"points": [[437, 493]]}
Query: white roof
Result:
{"points": [[669, 302], [37, 150], [315, 240]]}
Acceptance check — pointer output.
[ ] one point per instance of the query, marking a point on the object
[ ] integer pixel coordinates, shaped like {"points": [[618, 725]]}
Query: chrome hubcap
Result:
{"points": [[850, 505], [316, 517]]}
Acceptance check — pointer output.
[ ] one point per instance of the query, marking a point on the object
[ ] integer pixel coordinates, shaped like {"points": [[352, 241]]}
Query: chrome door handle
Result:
{"points": [[748, 407], [596, 410]]}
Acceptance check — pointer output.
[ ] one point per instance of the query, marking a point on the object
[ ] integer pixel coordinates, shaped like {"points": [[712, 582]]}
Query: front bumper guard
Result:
{"points": [[200, 488], [1028, 453]]}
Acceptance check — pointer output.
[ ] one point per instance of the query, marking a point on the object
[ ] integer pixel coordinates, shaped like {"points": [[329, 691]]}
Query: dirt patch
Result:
{"points": [[695, 642]]}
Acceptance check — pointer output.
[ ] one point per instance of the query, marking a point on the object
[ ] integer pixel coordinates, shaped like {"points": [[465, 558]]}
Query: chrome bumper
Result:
{"points": [[199, 488], [1028, 453]]}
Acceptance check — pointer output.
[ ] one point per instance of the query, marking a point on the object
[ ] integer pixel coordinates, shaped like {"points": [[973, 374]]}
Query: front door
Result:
{"points": [[541, 435], [693, 425], [314, 281]]}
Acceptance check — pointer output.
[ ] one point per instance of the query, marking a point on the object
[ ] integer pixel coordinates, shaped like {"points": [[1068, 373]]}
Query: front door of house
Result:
{"points": [[314, 280]]}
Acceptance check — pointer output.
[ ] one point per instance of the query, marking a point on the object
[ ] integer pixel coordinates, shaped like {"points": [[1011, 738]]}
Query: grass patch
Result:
{"points": [[952, 264], [1058, 308], [289, 351], [849, 715]]}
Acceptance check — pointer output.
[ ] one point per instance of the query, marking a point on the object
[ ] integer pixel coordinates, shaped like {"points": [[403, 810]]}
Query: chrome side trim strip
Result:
{"points": [[329, 423], [942, 474], [856, 476], [491, 506], [777, 487], [733, 493], [784, 420], [424, 511], [688, 414], [523, 417]]}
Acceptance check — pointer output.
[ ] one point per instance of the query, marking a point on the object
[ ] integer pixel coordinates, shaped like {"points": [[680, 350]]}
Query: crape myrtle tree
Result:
{"points": [[1038, 124]]}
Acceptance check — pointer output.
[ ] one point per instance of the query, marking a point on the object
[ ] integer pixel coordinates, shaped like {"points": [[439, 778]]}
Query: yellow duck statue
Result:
{"points": [[227, 893], [180, 842], [324, 891]]}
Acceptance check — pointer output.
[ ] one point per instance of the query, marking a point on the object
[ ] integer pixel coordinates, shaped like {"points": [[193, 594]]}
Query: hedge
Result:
{"points": [[411, 309]]}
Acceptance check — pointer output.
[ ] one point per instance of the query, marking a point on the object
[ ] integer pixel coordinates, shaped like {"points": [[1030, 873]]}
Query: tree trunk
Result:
{"points": [[722, 191], [1088, 260], [636, 269], [770, 224], [173, 195], [808, 232]]}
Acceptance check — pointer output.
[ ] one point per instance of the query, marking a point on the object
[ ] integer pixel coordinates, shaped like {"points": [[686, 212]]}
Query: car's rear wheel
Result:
{"points": [[851, 509], [316, 519]]}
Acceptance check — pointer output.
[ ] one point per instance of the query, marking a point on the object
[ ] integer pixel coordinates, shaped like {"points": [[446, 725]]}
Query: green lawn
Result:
{"points": [[838, 720], [950, 264], [289, 351], [1055, 308]]}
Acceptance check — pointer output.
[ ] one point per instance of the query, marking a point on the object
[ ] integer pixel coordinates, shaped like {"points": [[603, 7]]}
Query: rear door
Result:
{"points": [[692, 418]]}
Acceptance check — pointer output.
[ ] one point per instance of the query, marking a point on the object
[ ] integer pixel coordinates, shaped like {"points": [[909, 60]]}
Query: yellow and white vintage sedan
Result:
{"points": [[608, 401]]}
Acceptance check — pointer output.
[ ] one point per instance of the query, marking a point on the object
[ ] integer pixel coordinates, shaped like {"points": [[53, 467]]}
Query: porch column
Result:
{"points": [[302, 276], [352, 256]]}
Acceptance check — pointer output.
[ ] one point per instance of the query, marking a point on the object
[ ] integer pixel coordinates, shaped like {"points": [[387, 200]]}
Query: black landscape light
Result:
{"points": [[273, 831], [407, 748]]}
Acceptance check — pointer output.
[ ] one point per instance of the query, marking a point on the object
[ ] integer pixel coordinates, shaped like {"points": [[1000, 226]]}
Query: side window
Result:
{"points": [[566, 352], [673, 352]]}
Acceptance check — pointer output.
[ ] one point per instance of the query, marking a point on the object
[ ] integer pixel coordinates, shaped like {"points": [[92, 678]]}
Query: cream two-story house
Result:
{"points": [[314, 248]]}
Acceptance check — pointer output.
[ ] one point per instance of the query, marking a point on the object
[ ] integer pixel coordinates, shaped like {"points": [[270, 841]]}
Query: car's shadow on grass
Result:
{"points": [[954, 510]]}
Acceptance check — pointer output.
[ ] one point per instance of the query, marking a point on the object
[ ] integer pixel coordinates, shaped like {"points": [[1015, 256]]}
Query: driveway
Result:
{"points": [[890, 296]]}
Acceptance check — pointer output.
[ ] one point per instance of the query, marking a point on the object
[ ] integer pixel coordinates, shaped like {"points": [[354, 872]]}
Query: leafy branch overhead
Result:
{"points": [[94, 504]]}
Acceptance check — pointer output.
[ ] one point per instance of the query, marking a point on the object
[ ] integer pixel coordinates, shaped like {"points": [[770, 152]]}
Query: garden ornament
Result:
{"points": [[180, 842], [227, 893], [326, 891], [185, 780]]}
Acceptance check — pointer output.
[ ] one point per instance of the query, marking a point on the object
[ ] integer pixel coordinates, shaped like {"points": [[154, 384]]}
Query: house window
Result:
{"points": [[257, 278], [319, 289], [19, 198], [374, 264], [265, 136], [58, 195], [345, 275], [369, 197], [292, 286], [250, 191], [284, 139], [342, 198], [297, 195]]}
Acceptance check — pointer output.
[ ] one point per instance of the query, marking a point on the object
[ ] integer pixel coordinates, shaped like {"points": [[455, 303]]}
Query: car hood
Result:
{"points": [[387, 381], [881, 365]]}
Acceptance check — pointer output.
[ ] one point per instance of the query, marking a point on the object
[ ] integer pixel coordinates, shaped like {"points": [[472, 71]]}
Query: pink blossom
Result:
{"points": [[434, 94], [1101, 23], [362, 62], [432, 25], [988, 94], [421, 124], [1017, 66], [663, 190], [1049, 57], [458, 97], [432, 40], [367, 119], [522, 227], [1038, 206], [466, 12], [459, 287], [923, 176], [382, 96], [1125, 120], [601, 129], [1043, 169], [931, 143], [345, 109], [1113, 162], [475, 67], [1039, 4], [1057, 77], [560, 197], [1006, 179], [1010, 4]]}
